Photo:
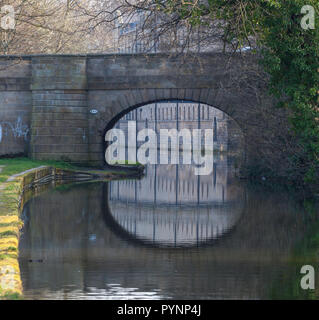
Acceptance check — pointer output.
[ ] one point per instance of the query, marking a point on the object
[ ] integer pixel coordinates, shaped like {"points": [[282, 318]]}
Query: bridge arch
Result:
{"points": [[122, 103]]}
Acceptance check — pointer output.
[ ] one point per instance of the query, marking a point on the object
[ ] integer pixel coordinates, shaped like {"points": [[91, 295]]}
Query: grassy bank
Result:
{"points": [[17, 165], [10, 223], [16, 177]]}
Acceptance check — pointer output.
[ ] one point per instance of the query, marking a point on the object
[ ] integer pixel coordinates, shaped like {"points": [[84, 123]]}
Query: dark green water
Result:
{"points": [[171, 235]]}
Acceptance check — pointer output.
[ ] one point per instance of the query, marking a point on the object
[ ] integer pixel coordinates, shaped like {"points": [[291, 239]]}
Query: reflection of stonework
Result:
{"points": [[180, 115], [171, 206], [175, 184], [84, 257], [167, 227]]}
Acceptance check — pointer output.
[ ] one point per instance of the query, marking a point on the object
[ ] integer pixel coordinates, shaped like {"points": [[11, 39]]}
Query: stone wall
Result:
{"points": [[46, 102], [15, 105], [59, 114]]}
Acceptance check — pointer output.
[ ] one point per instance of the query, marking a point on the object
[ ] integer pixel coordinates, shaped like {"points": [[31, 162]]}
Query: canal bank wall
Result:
{"points": [[14, 194]]}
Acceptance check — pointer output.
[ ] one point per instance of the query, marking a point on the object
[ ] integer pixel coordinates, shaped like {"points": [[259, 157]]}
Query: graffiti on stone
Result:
{"points": [[17, 129]]}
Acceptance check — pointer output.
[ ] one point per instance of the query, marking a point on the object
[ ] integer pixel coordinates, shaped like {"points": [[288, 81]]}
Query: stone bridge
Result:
{"points": [[46, 100]]}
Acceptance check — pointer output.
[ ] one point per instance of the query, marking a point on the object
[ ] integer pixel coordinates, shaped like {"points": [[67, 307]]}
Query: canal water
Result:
{"points": [[168, 235]]}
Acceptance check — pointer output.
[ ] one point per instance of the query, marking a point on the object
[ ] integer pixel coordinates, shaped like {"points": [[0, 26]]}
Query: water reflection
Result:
{"points": [[91, 238], [173, 207]]}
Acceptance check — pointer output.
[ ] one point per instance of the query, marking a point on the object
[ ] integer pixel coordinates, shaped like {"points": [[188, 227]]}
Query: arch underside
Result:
{"points": [[113, 105]]}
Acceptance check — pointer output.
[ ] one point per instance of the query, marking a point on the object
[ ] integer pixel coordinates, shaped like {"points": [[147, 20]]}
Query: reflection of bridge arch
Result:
{"points": [[188, 212], [165, 227], [172, 185]]}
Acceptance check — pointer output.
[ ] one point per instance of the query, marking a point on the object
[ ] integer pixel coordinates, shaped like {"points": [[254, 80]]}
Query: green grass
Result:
{"points": [[10, 296], [14, 249], [128, 162], [9, 206], [8, 234], [4, 256], [17, 165], [12, 224], [9, 201]]}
